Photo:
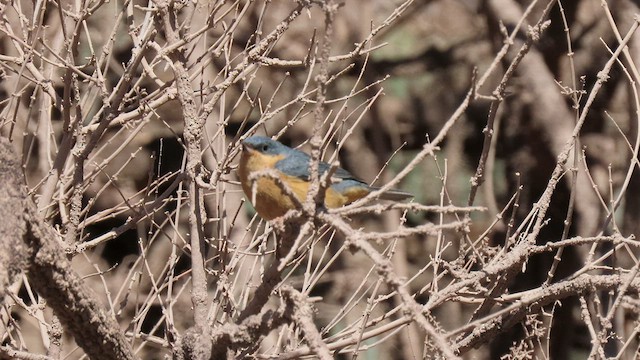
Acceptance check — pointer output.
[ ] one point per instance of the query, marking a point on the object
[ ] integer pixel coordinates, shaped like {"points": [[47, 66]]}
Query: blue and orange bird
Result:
{"points": [[261, 153]]}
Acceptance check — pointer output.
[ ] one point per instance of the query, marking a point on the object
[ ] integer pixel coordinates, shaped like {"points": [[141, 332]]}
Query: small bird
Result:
{"points": [[261, 153]]}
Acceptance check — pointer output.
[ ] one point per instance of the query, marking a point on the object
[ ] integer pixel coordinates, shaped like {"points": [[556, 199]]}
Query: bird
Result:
{"points": [[291, 166]]}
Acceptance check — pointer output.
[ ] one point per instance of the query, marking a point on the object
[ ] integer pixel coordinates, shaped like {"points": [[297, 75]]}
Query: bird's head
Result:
{"points": [[264, 145]]}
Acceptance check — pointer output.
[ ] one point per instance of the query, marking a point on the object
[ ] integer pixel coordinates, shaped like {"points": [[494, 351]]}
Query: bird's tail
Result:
{"points": [[395, 195]]}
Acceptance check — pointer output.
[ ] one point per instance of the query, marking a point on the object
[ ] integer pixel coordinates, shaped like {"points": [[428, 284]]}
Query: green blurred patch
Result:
{"points": [[400, 44]]}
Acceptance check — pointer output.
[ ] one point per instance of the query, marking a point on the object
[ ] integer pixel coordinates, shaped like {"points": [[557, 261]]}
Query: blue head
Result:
{"points": [[265, 145]]}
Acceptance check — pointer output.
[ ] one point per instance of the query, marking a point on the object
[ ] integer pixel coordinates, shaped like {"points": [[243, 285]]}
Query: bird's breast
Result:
{"points": [[269, 200]]}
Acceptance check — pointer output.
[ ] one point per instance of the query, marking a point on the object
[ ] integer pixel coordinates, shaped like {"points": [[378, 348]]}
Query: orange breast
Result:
{"points": [[269, 200]]}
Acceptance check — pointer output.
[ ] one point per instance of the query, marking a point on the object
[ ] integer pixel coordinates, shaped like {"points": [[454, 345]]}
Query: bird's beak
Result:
{"points": [[247, 148]]}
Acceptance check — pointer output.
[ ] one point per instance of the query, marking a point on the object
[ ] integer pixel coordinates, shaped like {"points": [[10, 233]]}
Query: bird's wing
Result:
{"points": [[296, 163]]}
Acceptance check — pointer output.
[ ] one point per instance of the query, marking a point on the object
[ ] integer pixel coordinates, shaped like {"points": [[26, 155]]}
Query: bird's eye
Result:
{"points": [[265, 147]]}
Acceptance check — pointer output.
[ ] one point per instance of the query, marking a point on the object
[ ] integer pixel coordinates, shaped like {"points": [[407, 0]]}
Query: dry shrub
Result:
{"points": [[126, 119]]}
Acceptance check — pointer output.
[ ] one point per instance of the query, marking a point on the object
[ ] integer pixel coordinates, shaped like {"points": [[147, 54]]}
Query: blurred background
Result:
{"points": [[95, 78]]}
